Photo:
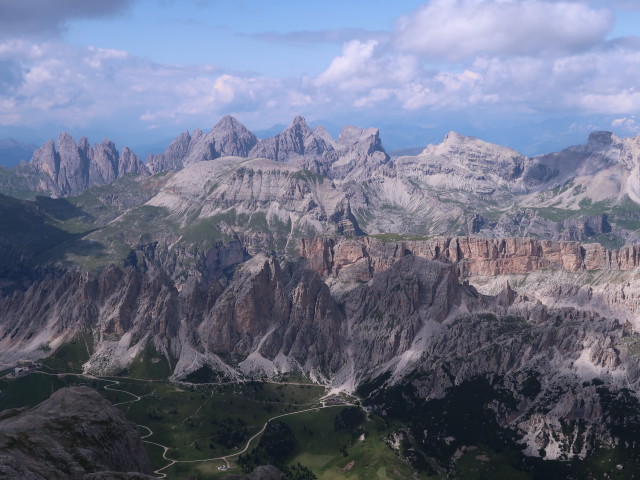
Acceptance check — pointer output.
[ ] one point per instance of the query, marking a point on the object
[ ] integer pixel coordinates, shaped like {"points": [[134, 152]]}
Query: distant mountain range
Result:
{"points": [[463, 185]]}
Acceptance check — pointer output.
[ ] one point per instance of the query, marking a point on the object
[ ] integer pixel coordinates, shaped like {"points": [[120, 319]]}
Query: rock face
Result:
{"points": [[263, 203], [68, 168], [74, 434], [475, 256], [227, 138], [116, 302]]}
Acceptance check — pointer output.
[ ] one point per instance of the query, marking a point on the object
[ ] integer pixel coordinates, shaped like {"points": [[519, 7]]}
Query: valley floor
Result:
{"points": [[203, 429]]}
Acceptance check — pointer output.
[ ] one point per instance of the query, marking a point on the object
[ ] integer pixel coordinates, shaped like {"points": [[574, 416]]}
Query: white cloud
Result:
{"points": [[628, 124], [351, 69], [52, 82], [610, 103], [459, 29]]}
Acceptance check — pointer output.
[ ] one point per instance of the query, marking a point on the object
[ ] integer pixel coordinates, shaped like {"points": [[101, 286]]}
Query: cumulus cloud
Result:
{"points": [[368, 75], [351, 70], [57, 83], [459, 29], [44, 17]]}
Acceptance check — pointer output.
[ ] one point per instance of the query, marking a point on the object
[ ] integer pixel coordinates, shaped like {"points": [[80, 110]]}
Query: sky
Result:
{"points": [[535, 75]]}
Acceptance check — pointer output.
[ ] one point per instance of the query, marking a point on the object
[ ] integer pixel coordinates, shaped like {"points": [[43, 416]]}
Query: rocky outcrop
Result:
{"points": [[227, 138], [387, 315], [67, 168], [173, 157], [74, 434], [276, 320]]}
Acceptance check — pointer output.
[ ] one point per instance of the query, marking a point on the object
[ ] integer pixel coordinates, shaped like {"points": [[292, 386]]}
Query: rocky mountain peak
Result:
{"points": [[351, 135], [470, 147], [313, 150], [299, 130], [228, 137], [232, 138], [46, 160], [228, 120], [474, 159], [67, 146], [360, 152], [297, 145], [299, 120], [454, 138], [172, 157], [602, 138], [83, 144]]}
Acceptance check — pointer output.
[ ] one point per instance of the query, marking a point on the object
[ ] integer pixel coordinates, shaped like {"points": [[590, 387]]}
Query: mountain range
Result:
{"points": [[399, 277]]}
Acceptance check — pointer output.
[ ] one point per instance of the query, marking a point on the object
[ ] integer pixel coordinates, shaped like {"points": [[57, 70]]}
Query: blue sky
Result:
{"points": [[532, 74]]}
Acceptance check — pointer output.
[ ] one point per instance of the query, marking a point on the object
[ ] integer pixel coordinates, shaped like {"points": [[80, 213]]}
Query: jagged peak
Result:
{"points": [[65, 137], [108, 143], [350, 134], [49, 144], [229, 121], [83, 143], [456, 138], [299, 123], [602, 138]]}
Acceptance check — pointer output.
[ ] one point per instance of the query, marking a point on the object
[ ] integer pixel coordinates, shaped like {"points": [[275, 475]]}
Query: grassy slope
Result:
{"points": [[322, 449]]}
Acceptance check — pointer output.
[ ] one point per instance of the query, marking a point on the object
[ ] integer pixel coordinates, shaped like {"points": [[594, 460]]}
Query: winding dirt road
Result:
{"points": [[165, 449]]}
